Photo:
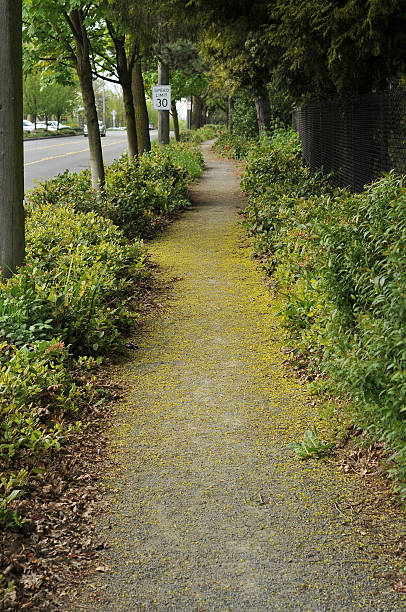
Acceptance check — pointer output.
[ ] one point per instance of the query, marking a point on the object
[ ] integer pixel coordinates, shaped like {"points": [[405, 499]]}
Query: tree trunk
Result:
{"points": [[124, 76], [132, 132], [263, 110], [203, 115], [196, 112], [163, 116], [175, 118], [84, 71], [11, 139], [230, 115], [140, 107]]}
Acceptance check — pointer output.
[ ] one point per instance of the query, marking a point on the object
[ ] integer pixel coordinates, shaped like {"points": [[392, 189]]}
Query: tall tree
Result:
{"points": [[11, 138], [124, 64], [140, 107], [80, 54], [32, 96], [345, 48], [236, 42], [58, 100], [139, 21], [58, 32]]}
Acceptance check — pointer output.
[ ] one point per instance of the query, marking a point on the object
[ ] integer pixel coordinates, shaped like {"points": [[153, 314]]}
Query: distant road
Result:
{"points": [[49, 157]]}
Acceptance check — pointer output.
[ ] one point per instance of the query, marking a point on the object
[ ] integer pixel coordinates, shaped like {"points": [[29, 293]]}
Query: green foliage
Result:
{"points": [[9, 517], [32, 98], [37, 394], [363, 264], [190, 158], [244, 129], [74, 284], [244, 117], [42, 133], [207, 132], [231, 146], [311, 446], [138, 192], [338, 261]]}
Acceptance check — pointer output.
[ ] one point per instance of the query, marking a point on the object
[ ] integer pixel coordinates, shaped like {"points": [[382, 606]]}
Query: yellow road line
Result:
{"points": [[62, 144], [52, 146], [38, 161]]}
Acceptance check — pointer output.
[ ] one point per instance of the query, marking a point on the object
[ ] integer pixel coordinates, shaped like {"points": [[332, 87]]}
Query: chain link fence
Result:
{"points": [[358, 139]]}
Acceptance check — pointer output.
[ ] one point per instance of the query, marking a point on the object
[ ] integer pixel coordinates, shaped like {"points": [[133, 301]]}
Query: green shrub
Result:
{"points": [[68, 131], [275, 180], [38, 394], [138, 192], [207, 132], [233, 146], [79, 272], [363, 241], [42, 396], [338, 260], [189, 157], [11, 488]]}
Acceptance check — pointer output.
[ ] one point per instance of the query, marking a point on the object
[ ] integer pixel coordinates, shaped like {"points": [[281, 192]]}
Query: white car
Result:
{"points": [[53, 126], [102, 129], [28, 126]]}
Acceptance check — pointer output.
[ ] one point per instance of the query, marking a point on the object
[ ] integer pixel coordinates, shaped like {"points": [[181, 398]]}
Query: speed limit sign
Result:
{"points": [[161, 97]]}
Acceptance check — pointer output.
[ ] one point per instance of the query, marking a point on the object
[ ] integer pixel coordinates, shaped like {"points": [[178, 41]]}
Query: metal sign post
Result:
{"points": [[161, 101]]}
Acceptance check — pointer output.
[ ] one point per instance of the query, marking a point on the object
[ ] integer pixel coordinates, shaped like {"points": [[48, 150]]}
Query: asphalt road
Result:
{"points": [[46, 158]]}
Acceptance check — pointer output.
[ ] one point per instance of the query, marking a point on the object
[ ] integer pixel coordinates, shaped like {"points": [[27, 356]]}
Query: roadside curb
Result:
{"points": [[51, 137]]}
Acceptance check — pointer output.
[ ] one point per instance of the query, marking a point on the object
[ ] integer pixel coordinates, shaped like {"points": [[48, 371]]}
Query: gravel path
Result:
{"points": [[206, 508]]}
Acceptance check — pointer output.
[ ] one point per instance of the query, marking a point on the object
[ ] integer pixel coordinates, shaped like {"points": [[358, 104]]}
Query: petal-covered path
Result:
{"points": [[206, 508]]}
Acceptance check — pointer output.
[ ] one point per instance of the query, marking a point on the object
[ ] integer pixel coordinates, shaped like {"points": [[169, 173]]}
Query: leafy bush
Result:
{"points": [[8, 493], [68, 131], [311, 446], [233, 146], [42, 395], [34, 406], [276, 179], [338, 259], [70, 298], [138, 192], [207, 132], [78, 275], [363, 241]]}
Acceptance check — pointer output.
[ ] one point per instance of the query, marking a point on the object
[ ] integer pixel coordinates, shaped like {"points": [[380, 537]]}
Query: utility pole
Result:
{"points": [[104, 105], [188, 112], [11, 138], [163, 115]]}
